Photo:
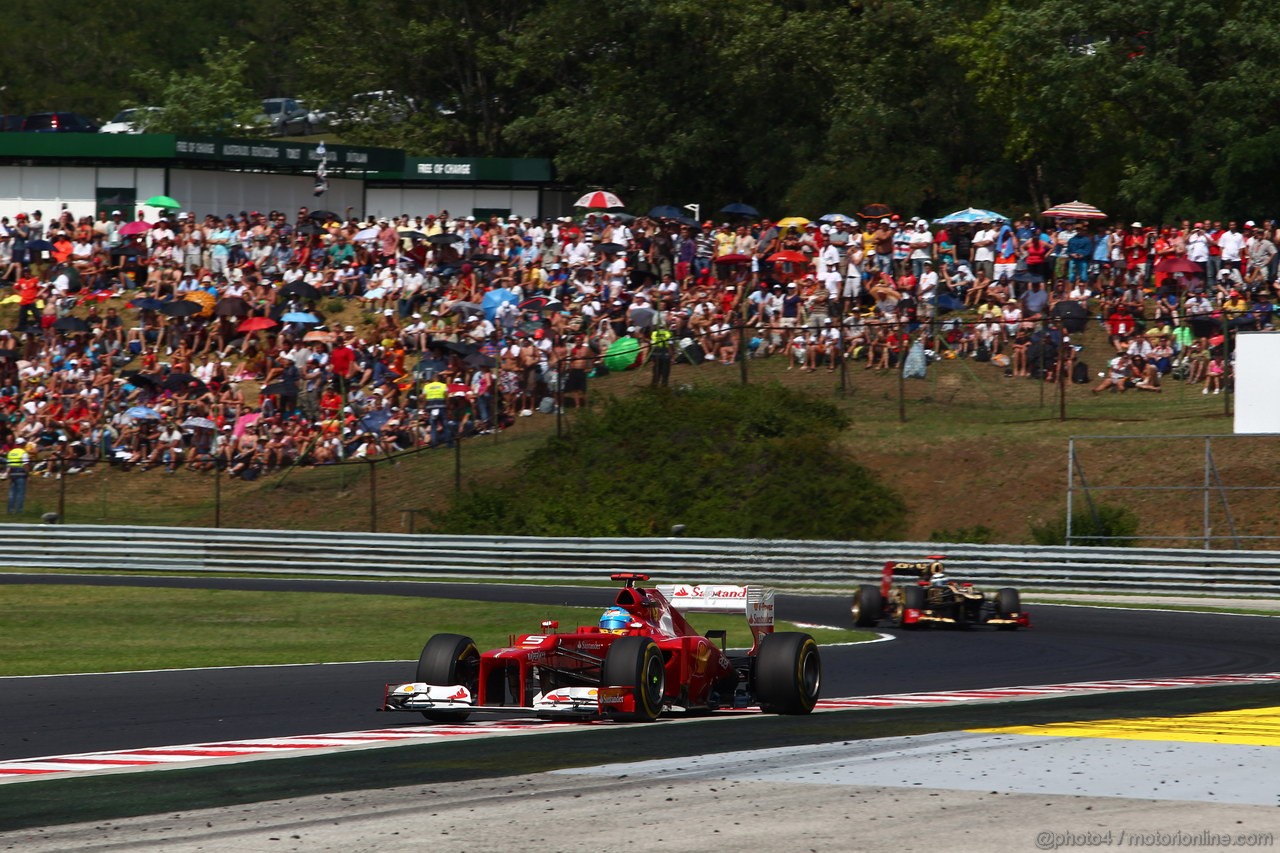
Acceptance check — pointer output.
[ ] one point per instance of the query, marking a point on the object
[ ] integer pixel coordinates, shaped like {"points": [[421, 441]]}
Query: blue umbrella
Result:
{"points": [[971, 214], [739, 209], [300, 317], [835, 217], [666, 211], [493, 299], [142, 413], [146, 303], [375, 420]]}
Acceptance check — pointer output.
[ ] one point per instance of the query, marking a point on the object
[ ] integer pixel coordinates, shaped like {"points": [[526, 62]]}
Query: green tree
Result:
{"points": [[455, 61], [742, 462], [214, 98], [1100, 101]]}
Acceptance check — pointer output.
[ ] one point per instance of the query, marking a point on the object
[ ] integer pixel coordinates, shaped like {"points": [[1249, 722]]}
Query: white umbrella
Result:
{"points": [[599, 198]]}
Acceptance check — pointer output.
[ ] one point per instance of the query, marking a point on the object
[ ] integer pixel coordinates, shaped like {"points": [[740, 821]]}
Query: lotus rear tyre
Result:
{"points": [[449, 659], [788, 673]]}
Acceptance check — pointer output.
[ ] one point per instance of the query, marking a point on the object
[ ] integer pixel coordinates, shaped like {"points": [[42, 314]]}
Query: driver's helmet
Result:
{"points": [[615, 621], [940, 578]]}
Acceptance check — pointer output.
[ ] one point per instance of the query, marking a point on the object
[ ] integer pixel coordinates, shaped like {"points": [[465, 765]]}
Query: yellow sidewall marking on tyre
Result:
{"points": [[1250, 726]]}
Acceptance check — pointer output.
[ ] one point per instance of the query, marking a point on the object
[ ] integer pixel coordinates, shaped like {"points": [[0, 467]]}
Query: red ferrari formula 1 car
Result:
{"points": [[925, 595], [642, 660]]}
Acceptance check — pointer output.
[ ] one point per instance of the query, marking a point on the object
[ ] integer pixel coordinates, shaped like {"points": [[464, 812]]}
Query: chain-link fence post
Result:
{"points": [[62, 491], [373, 495]]}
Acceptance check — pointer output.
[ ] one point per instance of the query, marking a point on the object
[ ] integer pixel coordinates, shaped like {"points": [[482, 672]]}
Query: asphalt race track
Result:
{"points": [[83, 713]]}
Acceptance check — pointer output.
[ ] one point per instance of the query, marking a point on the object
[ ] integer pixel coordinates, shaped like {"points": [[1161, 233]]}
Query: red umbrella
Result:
{"points": [[733, 259], [137, 226], [789, 256], [257, 324], [1172, 265]]}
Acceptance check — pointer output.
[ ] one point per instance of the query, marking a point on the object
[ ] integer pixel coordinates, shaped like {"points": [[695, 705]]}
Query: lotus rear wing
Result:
{"points": [[755, 602]]}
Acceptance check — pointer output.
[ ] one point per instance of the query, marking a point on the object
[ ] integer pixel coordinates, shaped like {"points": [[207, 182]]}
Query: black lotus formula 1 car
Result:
{"points": [[925, 595]]}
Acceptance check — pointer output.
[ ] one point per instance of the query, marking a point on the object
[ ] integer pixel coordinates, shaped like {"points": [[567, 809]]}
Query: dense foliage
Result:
{"points": [[1150, 109], [740, 462], [1101, 525]]}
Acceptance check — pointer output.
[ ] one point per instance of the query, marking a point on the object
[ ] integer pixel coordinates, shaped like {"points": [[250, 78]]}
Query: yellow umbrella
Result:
{"points": [[793, 222], [14, 298], [205, 299]]}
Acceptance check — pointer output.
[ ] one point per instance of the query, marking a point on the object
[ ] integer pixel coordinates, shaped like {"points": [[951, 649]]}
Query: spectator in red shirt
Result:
{"points": [[28, 290]]}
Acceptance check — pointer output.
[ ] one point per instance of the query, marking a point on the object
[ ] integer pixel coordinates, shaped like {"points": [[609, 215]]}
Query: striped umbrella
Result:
{"points": [[599, 198], [1074, 210]]}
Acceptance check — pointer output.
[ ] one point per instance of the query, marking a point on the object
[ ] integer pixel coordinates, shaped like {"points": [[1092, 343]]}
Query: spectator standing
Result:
{"points": [[1079, 252], [921, 247], [882, 241], [17, 467], [1231, 243], [984, 255]]}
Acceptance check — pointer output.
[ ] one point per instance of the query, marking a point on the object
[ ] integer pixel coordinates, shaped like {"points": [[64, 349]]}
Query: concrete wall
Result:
{"points": [[461, 201]]}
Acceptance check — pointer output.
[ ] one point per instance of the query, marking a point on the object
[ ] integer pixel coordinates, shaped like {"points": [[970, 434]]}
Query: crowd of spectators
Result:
{"points": [[203, 341]]}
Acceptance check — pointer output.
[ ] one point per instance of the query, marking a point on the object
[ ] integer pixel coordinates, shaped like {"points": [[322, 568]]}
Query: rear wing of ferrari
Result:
{"points": [[755, 602]]}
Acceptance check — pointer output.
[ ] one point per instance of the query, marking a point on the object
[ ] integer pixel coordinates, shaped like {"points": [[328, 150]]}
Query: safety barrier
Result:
{"points": [[829, 566]]}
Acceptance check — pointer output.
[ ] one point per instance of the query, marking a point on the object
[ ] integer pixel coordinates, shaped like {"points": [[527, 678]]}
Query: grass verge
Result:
{"points": [[47, 629]]}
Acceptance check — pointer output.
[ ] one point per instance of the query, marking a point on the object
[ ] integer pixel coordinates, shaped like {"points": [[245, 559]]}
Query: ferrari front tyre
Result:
{"points": [[636, 663], [449, 659], [868, 606], [913, 598], [788, 673]]}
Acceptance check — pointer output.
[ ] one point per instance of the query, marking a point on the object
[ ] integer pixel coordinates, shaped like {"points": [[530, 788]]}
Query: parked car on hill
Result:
{"points": [[130, 120], [58, 122], [284, 117], [378, 107]]}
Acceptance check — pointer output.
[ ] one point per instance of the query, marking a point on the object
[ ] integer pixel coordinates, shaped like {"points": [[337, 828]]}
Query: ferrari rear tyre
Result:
{"points": [[636, 662], [449, 659], [913, 598], [868, 606], [788, 673]]}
